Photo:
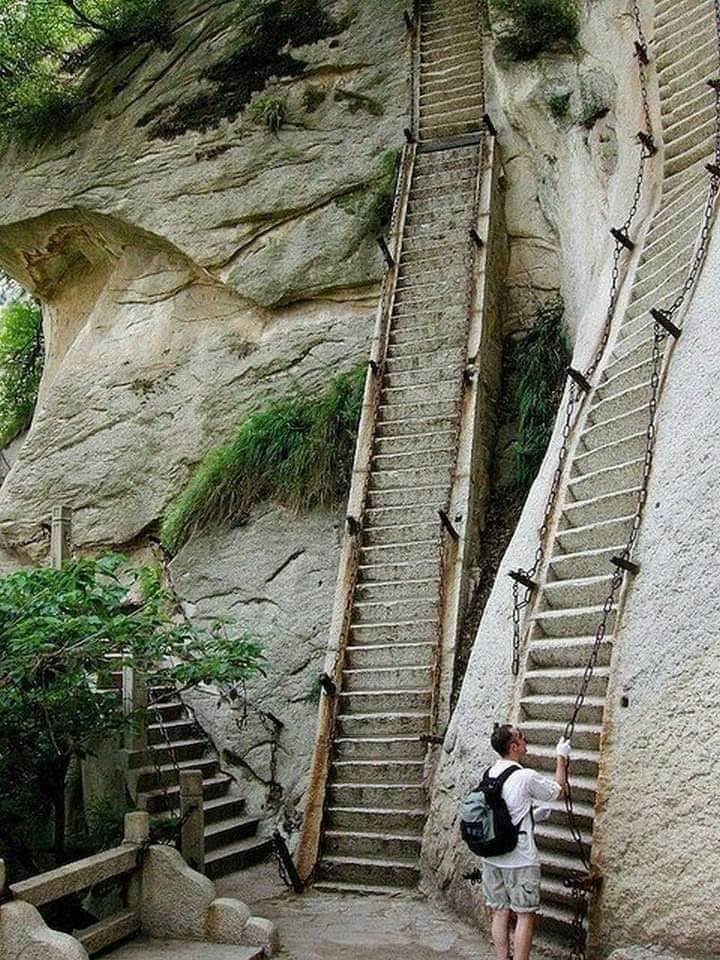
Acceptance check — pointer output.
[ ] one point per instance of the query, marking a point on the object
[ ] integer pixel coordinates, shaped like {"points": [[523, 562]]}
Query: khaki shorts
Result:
{"points": [[511, 888]]}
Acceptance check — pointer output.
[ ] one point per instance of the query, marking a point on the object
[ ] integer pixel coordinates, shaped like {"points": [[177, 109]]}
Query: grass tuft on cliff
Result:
{"points": [[538, 373], [527, 27], [298, 450], [46, 48], [22, 356]]}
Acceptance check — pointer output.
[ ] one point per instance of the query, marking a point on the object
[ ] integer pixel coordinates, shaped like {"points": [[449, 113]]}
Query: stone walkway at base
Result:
{"points": [[325, 926], [177, 950]]}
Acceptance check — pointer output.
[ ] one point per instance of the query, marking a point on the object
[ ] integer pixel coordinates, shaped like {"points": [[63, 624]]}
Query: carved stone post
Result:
{"points": [[137, 831], [60, 536], [135, 701], [192, 832]]}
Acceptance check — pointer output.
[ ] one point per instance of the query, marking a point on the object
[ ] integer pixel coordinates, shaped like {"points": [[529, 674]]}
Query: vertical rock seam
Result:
{"points": [[375, 802], [600, 498]]}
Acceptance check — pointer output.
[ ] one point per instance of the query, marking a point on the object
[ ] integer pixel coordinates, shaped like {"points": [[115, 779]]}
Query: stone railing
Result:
{"points": [[162, 898]]}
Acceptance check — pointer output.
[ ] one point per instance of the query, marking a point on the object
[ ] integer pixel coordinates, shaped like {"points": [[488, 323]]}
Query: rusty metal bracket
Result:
{"points": [[431, 738], [659, 316], [287, 862], [622, 238], [579, 379], [522, 578], [448, 525], [353, 526], [328, 684], [389, 259], [648, 141], [623, 564], [641, 53], [489, 125]]}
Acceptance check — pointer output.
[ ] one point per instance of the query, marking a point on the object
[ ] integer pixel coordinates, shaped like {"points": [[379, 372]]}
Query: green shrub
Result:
{"points": [[558, 102], [373, 202], [298, 450], [22, 356], [313, 97], [527, 27], [46, 47], [270, 109], [538, 372]]}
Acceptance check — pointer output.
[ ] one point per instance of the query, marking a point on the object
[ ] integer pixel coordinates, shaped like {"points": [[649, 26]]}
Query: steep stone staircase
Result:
{"points": [[601, 495], [375, 801], [175, 743]]}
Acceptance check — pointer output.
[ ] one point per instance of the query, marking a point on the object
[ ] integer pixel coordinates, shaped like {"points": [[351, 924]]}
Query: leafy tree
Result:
{"points": [[57, 628], [22, 357], [527, 27], [44, 48]]}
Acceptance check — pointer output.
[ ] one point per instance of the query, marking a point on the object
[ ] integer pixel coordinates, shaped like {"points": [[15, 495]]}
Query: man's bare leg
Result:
{"points": [[524, 929], [500, 931]]}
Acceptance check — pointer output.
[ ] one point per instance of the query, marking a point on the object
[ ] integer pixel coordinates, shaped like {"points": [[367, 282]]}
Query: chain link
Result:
{"points": [[574, 392]]}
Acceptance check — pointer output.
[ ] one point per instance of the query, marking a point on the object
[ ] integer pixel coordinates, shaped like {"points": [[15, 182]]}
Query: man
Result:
{"points": [[511, 882]]}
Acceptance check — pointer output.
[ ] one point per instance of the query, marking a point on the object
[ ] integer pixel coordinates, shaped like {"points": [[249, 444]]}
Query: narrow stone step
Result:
{"points": [[416, 459], [405, 589], [584, 763], [555, 838], [380, 701], [586, 563], [345, 843], [425, 339], [380, 748], [433, 493], [548, 732], [411, 477], [225, 832], [155, 801], [387, 612], [443, 359], [386, 678], [401, 516], [226, 807], [571, 593], [367, 871], [608, 480], [357, 889], [626, 425], [555, 652], [237, 856], [168, 712], [621, 451], [623, 357], [385, 821], [423, 412], [411, 570], [395, 654], [422, 550], [150, 778], [409, 723], [571, 623], [556, 681], [560, 708], [377, 771], [394, 796], [412, 533], [163, 753], [613, 383], [628, 399], [594, 536], [621, 503]]}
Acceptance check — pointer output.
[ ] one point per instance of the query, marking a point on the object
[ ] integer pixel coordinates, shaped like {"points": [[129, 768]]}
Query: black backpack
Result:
{"points": [[485, 822]]}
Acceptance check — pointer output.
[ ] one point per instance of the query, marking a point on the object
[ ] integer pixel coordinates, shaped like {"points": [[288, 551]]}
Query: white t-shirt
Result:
{"points": [[519, 791]]}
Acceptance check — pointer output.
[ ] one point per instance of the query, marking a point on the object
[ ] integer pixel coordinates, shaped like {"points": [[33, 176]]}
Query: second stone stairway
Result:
{"points": [[601, 495]]}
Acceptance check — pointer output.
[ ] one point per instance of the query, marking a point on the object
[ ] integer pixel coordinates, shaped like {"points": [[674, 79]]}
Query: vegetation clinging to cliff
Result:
{"points": [[46, 47], [22, 356], [527, 27], [298, 450], [539, 368]]}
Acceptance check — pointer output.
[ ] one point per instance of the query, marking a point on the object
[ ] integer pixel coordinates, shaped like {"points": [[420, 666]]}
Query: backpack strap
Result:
{"points": [[506, 774]]}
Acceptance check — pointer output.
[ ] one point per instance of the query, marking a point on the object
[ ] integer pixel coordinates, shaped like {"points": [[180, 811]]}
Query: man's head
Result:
{"points": [[508, 741]]}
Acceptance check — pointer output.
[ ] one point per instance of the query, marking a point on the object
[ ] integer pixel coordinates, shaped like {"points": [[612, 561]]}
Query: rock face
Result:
{"points": [[275, 576], [190, 268]]}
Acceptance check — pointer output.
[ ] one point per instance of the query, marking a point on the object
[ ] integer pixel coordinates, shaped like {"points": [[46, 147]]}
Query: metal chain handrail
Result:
{"points": [[582, 885], [526, 577]]}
